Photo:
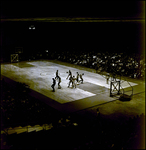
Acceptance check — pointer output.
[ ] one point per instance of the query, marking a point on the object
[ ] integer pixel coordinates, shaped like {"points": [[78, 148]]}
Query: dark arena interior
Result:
{"points": [[72, 75]]}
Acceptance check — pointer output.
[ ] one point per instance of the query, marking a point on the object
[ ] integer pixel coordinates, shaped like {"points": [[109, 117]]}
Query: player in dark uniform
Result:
{"points": [[107, 78], [69, 74], [59, 81], [81, 77], [77, 77], [57, 76], [53, 85]]}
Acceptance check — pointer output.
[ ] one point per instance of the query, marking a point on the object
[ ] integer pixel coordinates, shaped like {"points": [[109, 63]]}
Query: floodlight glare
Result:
{"points": [[32, 27]]}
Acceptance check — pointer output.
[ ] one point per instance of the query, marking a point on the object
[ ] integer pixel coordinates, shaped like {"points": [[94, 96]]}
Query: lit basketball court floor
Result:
{"points": [[38, 75]]}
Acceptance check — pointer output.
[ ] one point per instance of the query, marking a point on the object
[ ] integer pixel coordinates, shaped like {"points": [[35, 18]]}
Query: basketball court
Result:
{"points": [[38, 76]]}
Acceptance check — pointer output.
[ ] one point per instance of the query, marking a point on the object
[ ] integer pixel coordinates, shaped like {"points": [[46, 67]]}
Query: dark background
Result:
{"points": [[120, 36], [108, 9]]}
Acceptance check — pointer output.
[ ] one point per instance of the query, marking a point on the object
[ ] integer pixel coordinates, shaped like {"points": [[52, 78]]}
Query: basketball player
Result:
{"points": [[59, 81], [107, 79], [74, 81], [81, 77], [57, 75], [53, 85], [69, 74], [77, 78], [70, 81]]}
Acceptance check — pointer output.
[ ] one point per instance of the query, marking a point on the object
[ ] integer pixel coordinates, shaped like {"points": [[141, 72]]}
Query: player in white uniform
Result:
{"points": [[74, 81]]}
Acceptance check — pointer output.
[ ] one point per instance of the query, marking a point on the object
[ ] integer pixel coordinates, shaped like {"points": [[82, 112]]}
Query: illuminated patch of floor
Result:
{"points": [[39, 76]]}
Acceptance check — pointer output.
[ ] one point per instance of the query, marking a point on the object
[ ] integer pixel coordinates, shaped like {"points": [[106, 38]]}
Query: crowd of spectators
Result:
{"points": [[109, 134], [127, 64], [17, 109], [131, 65]]}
